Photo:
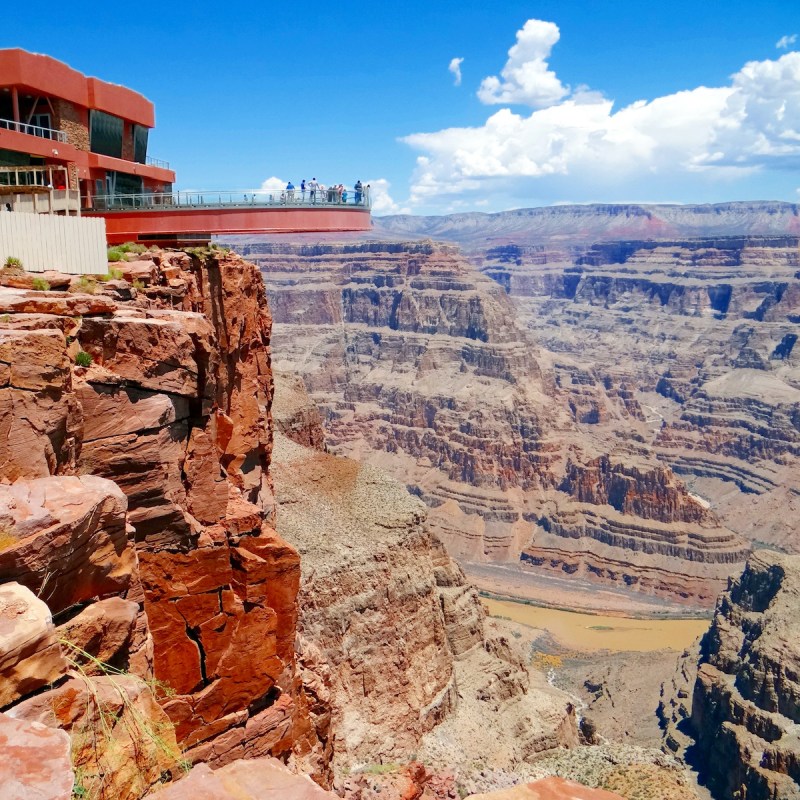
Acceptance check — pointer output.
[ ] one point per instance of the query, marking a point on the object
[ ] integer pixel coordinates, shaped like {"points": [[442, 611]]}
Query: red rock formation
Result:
{"points": [[549, 789], [174, 408]]}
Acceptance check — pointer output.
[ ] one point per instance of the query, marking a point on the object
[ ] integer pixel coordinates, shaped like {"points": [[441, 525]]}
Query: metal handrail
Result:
{"points": [[240, 199], [156, 162], [33, 130]]}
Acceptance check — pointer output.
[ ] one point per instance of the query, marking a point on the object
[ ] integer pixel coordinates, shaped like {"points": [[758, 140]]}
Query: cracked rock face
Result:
{"points": [[142, 504]]}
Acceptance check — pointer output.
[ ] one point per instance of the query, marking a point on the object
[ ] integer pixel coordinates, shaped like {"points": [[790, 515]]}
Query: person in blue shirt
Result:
{"points": [[290, 192]]}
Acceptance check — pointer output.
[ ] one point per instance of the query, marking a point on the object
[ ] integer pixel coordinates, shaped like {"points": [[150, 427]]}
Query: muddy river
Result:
{"points": [[591, 632]]}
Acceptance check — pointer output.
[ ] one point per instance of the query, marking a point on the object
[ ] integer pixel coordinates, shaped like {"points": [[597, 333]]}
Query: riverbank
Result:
{"points": [[591, 632]]}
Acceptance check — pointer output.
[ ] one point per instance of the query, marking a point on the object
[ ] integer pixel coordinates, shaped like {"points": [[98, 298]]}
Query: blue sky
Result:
{"points": [[246, 91]]}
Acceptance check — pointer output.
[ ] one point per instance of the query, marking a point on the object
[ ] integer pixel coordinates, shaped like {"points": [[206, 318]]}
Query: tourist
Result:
{"points": [[312, 190], [366, 194], [290, 192], [303, 190], [344, 196], [359, 190]]}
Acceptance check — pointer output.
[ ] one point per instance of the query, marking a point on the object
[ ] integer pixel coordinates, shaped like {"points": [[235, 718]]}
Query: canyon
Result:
{"points": [[420, 366], [238, 556]]}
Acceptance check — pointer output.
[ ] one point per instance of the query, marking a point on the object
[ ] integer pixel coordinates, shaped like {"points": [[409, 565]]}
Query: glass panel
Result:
{"points": [[128, 184], [140, 144], [105, 134]]}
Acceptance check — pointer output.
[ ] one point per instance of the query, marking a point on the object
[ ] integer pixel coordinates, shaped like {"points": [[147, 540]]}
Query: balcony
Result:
{"points": [[32, 190], [293, 198], [33, 130]]}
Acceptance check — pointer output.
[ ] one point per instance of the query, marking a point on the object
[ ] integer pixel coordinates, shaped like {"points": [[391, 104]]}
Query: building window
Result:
{"points": [[140, 144], [105, 136]]}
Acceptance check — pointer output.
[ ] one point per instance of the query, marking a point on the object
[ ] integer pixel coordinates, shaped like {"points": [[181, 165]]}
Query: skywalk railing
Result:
{"points": [[283, 197], [156, 162], [33, 130]]}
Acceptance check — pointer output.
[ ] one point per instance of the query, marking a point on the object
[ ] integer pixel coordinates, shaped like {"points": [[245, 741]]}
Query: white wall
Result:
{"points": [[76, 245]]}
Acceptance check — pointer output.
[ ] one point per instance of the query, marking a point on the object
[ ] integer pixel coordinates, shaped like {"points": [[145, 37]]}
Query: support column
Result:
{"points": [[15, 102]]}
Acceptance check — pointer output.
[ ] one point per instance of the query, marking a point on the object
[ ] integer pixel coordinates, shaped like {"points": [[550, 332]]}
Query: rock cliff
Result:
{"points": [[137, 505], [742, 715], [686, 345], [410, 666]]}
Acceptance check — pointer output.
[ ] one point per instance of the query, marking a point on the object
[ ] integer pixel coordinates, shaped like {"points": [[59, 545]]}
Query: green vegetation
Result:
{"points": [[83, 359], [101, 749], [137, 284], [13, 263], [115, 254], [131, 247], [86, 285], [41, 285], [379, 769]]}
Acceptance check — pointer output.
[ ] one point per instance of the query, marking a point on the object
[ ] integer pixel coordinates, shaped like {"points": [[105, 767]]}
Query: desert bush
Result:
{"points": [[131, 247], [115, 254], [12, 262], [86, 285], [83, 359], [41, 285]]}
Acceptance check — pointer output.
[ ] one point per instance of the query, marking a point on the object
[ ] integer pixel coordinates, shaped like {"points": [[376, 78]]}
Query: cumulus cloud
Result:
{"points": [[785, 42], [273, 184], [382, 202], [526, 78], [575, 140], [455, 68]]}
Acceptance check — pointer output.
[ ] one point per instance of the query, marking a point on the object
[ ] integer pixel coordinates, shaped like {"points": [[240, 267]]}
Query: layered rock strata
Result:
{"points": [[419, 367], [687, 345]]}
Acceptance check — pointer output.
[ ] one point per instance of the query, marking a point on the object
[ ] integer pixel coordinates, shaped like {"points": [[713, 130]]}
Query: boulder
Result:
{"points": [[68, 540], [36, 761], [30, 656], [256, 779]]}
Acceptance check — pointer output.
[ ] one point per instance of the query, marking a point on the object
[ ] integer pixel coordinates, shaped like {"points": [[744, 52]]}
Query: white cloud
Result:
{"points": [[581, 144], [786, 41], [526, 78], [382, 202], [455, 68], [273, 184]]}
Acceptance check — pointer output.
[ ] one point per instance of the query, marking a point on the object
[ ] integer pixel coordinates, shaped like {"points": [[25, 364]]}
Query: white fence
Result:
{"points": [[76, 245]]}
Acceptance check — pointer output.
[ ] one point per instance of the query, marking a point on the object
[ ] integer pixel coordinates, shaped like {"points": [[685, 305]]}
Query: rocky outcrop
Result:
{"points": [[256, 779], [548, 789], [294, 413], [744, 706], [139, 509]]}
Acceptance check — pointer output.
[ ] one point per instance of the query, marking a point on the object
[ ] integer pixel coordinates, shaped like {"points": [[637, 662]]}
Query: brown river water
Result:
{"points": [[593, 632]]}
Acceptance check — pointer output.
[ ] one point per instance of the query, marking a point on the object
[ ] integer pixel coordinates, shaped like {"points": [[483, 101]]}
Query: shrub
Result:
{"points": [[83, 359], [131, 247], [137, 284], [12, 262], [41, 285], [115, 274], [86, 285], [115, 254]]}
